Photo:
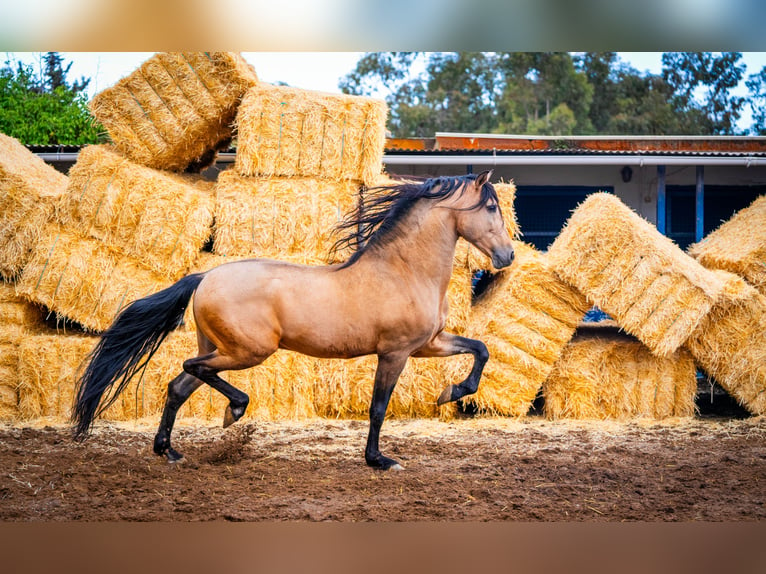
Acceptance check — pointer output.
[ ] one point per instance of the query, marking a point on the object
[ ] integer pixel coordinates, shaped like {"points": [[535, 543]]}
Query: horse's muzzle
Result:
{"points": [[502, 257]]}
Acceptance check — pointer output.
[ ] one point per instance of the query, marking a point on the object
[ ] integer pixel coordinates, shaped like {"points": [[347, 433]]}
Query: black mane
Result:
{"points": [[382, 209]]}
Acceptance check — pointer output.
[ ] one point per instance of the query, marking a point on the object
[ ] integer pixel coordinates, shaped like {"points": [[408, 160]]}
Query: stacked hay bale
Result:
{"points": [[160, 218], [605, 374], [289, 132], [525, 318], [176, 109], [121, 231], [738, 245], [50, 361], [641, 278], [18, 319], [28, 190], [730, 342], [127, 225]]}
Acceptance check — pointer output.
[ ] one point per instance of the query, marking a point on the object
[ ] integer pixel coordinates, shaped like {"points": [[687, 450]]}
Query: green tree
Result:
{"points": [[47, 108], [537, 84], [702, 83], [554, 93], [756, 86]]}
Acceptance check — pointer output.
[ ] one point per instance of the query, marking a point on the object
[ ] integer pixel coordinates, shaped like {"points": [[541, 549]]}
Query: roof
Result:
{"points": [[501, 149], [500, 144]]}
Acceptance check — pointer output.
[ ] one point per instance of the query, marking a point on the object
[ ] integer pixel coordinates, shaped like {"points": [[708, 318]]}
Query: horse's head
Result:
{"points": [[480, 220]]}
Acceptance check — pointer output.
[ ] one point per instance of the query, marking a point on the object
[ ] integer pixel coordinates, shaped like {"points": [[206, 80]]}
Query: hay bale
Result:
{"points": [[50, 362], [289, 132], [176, 108], [653, 289], [611, 376], [279, 217], [28, 190], [18, 319], [730, 343], [738, 245], [525, 318], [84, 280], [162, 219]]}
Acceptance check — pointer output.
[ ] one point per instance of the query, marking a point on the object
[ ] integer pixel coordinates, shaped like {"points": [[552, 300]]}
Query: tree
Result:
{"points": [[45, 109], [756, 86], [554, 93], [535, 85], [702, 84]]}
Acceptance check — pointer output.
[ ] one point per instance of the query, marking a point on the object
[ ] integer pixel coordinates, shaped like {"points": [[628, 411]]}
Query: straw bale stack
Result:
{"points": [[83, 279], [730, 343], [738, 245], [620, 261], [277, 217], [50, 362], [176, 108], [160, 218], [289, 132], [525, 318], [17, 319], [614, 376], [343, 388], [28, 189]]}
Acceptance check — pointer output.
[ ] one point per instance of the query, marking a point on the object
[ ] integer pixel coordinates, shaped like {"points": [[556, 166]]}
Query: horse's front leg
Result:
{"points": [[445, 345], [390, 366]]}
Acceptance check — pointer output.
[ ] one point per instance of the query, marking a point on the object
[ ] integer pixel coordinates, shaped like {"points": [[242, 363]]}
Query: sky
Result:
{"points": [[308, 70]]}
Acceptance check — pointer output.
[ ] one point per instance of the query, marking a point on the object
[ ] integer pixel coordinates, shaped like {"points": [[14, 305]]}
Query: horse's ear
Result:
{"points": [[483, 178]]}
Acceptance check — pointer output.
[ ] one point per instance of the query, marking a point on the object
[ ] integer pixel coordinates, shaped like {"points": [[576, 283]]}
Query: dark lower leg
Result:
{"points": [[386, 376], [238, 400], [445, 345], [179, 390]]}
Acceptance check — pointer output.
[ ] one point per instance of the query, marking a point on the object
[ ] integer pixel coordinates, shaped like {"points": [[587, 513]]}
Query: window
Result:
{"points": [[720, 203], [542, 210]]}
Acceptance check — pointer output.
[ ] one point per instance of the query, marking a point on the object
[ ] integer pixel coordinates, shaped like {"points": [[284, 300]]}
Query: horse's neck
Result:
{"points": [[424, 245]]}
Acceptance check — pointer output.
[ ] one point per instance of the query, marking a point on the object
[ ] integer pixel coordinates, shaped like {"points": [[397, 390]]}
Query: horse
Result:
{"points": [[388, 299]]}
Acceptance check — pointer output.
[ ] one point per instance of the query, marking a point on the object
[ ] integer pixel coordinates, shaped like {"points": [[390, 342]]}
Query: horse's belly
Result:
{"points": [[327, 341]]}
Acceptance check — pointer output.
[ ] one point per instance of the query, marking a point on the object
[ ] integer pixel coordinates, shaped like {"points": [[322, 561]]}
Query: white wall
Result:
{"points": [[640, 193]]}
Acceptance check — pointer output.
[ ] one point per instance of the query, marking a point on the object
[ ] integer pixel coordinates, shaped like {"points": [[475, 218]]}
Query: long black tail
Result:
{"points": [[137, 332]]}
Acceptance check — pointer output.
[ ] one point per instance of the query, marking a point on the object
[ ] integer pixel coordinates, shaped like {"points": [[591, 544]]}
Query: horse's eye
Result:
{"points": [[492, 206]]}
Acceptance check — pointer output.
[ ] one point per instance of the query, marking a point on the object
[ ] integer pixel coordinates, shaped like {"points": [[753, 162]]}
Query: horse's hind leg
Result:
{"points": [[179, 389], [207, 367]]}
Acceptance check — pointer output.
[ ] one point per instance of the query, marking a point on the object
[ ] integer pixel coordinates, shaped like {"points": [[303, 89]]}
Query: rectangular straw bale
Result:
{"points": [[343, 388], [47, 370], [610, 376], [176, 108], [730, 343], [28, 189], [161, 218], [50, 362], [738, 245], [9, 369], [283, 131], [525, 318], [276, 217], [84, 280], [620, 261]]}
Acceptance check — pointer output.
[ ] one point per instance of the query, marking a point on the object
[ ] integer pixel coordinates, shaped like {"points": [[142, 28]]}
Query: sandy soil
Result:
{"points": [[485, 469]]}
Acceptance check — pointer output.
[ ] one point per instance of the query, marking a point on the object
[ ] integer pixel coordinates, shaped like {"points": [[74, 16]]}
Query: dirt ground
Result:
{"points": [[484, 469]]}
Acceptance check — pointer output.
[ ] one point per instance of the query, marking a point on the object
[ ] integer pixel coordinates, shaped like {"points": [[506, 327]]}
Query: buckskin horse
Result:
{"points": [[388, 299]]}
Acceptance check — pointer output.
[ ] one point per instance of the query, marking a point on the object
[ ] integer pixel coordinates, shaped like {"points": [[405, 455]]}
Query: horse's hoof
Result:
{"points": [[173, 456], [228, 417], [384, 463], [446, 395]]}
